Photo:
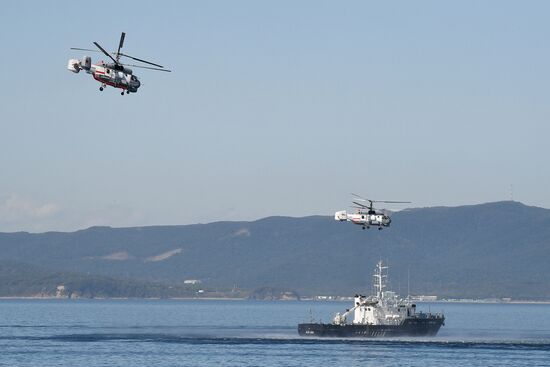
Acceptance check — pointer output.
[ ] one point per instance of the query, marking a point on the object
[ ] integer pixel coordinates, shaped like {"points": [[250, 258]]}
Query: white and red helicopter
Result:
{"points": [[366, 216], [115, 74]]}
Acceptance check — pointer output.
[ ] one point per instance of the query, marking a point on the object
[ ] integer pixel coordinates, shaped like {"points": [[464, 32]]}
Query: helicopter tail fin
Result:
{"points": [[74, 65], [86, 63], [341, 216]]}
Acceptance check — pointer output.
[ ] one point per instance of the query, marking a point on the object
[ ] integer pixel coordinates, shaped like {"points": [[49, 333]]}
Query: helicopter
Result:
{"points": [[366, 215], [115, 74]]}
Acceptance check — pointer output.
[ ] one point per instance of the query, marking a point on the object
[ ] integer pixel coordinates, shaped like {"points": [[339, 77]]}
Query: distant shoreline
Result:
{"points": [[491, 302], [547, 302], [477, 301], [121, 298]]}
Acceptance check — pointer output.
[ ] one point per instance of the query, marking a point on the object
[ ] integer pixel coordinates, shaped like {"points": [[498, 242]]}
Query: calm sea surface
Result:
{"points": [[248, 333]]}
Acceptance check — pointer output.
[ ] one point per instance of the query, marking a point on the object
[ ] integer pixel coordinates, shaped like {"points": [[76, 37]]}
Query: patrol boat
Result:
{"points": [[383, 314]]}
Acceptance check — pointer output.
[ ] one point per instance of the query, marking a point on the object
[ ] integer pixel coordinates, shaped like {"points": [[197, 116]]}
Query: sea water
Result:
{"points": [[257, 333]]}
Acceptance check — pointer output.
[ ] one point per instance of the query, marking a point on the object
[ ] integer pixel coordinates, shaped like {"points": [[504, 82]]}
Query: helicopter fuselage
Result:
{"points": [[364, 219], [123, 79], [107, 74]]}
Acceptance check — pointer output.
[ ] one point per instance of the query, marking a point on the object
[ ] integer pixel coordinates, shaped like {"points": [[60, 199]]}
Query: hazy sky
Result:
{"points": [[273, 108]]}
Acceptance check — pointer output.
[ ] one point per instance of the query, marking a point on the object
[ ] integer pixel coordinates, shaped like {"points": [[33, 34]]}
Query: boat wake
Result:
{"points": [[281, 339]]}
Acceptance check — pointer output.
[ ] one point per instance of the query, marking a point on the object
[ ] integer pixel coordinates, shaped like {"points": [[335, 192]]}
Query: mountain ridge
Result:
{"points": [[497, 249]]}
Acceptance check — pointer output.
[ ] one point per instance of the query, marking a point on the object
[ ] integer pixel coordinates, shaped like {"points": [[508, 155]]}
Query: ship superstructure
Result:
{"points": [[382, 314]]}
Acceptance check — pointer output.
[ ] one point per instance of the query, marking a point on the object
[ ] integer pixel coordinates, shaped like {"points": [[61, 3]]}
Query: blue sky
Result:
{"points": [[273, 108]]}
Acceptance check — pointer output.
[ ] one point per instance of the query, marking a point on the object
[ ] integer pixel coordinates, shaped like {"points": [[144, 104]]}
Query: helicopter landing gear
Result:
{"points": [[101, 89], [379, 228], [122, 93], [127, 92], [364, 227]]}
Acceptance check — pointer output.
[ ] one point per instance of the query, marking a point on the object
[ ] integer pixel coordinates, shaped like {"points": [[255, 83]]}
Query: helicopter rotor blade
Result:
{"points": [[359, 197], [121, 43], [106, 53], [147, 67], [391, 202], [89, 49], [84, 49], [140, 60], [360, 205]]}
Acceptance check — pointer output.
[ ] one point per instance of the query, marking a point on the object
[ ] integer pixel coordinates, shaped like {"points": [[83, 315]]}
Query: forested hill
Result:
{"points": [[499, 249]]}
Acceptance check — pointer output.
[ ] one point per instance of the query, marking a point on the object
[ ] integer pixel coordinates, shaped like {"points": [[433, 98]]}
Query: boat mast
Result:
{"points": [[379, 283], [409, 284]]}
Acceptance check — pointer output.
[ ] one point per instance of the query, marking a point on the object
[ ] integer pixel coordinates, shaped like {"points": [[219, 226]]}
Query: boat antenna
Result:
{"points": [[409, 284], [379, 279]]}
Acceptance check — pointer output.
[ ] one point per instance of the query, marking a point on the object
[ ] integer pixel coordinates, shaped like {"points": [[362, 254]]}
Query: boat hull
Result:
{"points": [[409, 327]]}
